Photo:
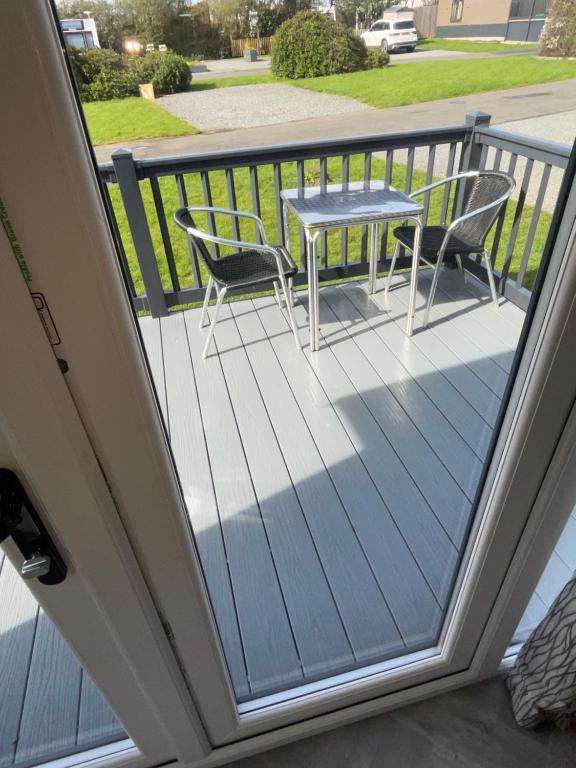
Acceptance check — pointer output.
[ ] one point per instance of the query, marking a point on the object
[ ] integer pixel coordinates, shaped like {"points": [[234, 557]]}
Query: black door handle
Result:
{"points": [[19, 519]]}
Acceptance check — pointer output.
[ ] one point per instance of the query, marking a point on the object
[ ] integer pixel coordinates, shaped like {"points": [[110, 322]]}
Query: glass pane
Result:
{"points": [[560, 569], [49, 706], [331, 492]]}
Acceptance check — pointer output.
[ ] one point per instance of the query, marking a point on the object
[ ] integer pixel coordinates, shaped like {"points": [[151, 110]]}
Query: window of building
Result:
{"points": [[457, 8]]}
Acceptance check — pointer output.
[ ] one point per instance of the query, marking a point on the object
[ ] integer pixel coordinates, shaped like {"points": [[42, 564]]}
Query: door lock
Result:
{"points": [[19, 519]]}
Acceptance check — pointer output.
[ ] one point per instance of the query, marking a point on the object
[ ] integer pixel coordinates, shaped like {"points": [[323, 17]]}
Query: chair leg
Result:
{"points": [[290, 313], [392, 265], [491, 278], [291, 290], [206, 301], [433, 289], [461, 267], [219, 299], [277, 293]]}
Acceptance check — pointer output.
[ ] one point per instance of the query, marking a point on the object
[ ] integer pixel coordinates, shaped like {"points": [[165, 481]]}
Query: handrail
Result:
{"points": [[314, 150], [531, 147]]}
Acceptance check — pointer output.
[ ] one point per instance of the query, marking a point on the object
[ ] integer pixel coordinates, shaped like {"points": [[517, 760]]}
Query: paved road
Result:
{"points": [[504, 106], [219, 68]]}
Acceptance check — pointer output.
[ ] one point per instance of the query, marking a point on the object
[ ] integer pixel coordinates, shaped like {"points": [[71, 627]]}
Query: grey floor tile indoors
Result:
{"points": [[469, 728]]}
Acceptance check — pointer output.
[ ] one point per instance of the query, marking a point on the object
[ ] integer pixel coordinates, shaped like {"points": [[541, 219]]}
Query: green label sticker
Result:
{"points": [[15, 245]]}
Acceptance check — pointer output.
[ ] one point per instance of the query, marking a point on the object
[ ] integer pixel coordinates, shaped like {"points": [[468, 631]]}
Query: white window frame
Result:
{"points": [[55, 178]]}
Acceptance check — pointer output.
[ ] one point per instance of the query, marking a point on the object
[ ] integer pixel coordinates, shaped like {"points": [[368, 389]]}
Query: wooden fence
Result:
{"points": [[425, 20], [261, 44]]}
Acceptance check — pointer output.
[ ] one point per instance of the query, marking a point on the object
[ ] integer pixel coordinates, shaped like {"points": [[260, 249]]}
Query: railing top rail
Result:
{"points": [[238, 158], [526, 146]]}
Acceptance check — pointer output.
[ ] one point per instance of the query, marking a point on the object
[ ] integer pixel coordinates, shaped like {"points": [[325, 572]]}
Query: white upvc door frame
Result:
{"points": [[153, 604]]}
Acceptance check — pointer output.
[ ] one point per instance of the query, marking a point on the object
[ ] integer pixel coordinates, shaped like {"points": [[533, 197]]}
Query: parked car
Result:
{"points": [[392, 35]]}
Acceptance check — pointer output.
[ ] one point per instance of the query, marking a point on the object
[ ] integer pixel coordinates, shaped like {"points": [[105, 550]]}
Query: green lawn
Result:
{"points": [[412, 83], [471, 46], [127, 119], [267, 197]]}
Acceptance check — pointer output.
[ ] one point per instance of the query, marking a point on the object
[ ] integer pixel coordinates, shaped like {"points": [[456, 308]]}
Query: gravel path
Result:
{"points": [[225, 109]]}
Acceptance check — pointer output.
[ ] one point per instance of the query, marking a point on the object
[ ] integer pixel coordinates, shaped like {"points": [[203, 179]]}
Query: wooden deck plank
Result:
{"points": [[448, 330], [18, 616], [50, 711], [420, 527], [410, 598], [471, 427], [270, 652], [462, 466], [193, 464], [471, 387], [152, 337], [97, 723], [318, 630], [447, 499], [367, 618]]}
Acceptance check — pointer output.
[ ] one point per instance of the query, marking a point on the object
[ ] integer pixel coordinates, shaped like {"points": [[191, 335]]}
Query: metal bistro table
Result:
{"points": [[319, 209]]}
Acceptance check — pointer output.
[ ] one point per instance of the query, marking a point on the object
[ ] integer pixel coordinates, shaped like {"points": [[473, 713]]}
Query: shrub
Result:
{"points": [[168, 72], [102, 74], [312, 44], [377, 59], [559, 34]]}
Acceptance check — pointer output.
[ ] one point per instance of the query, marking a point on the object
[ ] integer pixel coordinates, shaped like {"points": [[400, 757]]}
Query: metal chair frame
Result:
{"points": [[465, 217], [220, 287]]}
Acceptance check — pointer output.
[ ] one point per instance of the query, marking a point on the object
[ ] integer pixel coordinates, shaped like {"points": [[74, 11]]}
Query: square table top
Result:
{"points": [[361, 203]]}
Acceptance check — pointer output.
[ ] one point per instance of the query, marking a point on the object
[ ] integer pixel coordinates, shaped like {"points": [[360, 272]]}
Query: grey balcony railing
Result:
{"points": [[162, 272]]}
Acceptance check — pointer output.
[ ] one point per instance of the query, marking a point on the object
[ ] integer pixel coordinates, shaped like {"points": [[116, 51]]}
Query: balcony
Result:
{"points": [[330, 494]]}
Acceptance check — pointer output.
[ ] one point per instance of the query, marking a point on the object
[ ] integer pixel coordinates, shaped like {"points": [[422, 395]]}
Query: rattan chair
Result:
{"points": [[486, 193], [251, 264]]}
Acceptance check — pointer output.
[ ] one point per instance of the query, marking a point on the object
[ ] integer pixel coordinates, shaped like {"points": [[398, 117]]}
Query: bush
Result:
{"points": [[168, 72], [312, 44], [377, 59], [102, 74], [559, 33]]}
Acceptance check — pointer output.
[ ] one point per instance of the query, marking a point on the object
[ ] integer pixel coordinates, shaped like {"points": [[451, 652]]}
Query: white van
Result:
{"points": [[392, 34]]}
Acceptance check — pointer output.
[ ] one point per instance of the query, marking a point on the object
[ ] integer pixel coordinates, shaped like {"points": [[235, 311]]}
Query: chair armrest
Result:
{"points": [[229, 212], [442, 182]]}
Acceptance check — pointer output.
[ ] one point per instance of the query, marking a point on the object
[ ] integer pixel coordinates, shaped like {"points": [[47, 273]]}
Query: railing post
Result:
{"points": [[125, 171], [471, 156]]}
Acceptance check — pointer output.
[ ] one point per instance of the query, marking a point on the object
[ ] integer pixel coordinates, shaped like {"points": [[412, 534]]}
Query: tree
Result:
{"points": [[559, 33], [111, 21], [362, 12]]}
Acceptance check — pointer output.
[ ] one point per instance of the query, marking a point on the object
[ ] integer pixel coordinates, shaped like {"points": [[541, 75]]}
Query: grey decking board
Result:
{"points": [[437, 485], [407, 593], [371, 435], [270, 652], [152, 336], [18, 616], [50, 713], [566, 547], [318, 630], [367, 618], [449, 331], [484, 401], [192, 462], [471, 427], [97, 724], [555, 577]]}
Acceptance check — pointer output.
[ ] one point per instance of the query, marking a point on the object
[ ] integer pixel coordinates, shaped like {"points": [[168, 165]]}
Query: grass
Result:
{"points": [[471, 46], [412, 83], [355, 235], [128, 119]]}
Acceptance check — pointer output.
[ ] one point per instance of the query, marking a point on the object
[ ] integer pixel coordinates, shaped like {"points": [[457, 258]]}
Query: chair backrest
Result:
{"points": [[185, 221], [483, 190]]}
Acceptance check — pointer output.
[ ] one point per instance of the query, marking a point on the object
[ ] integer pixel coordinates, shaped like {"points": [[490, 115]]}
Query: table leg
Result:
{"points": [[286, 226], [414, 276], [373, 271], [313, 290]]}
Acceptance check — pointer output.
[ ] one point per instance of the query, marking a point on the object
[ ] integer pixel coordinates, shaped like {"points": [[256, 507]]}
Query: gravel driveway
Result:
{"points": [[246, 106]]}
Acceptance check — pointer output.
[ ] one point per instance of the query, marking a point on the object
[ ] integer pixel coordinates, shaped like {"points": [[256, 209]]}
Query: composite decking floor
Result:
{"points": [[330, 492], [49, 706]]}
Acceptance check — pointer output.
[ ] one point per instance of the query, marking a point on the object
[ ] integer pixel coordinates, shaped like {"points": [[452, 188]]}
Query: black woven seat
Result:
{"points": [[250, 265], [432, 239]]}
